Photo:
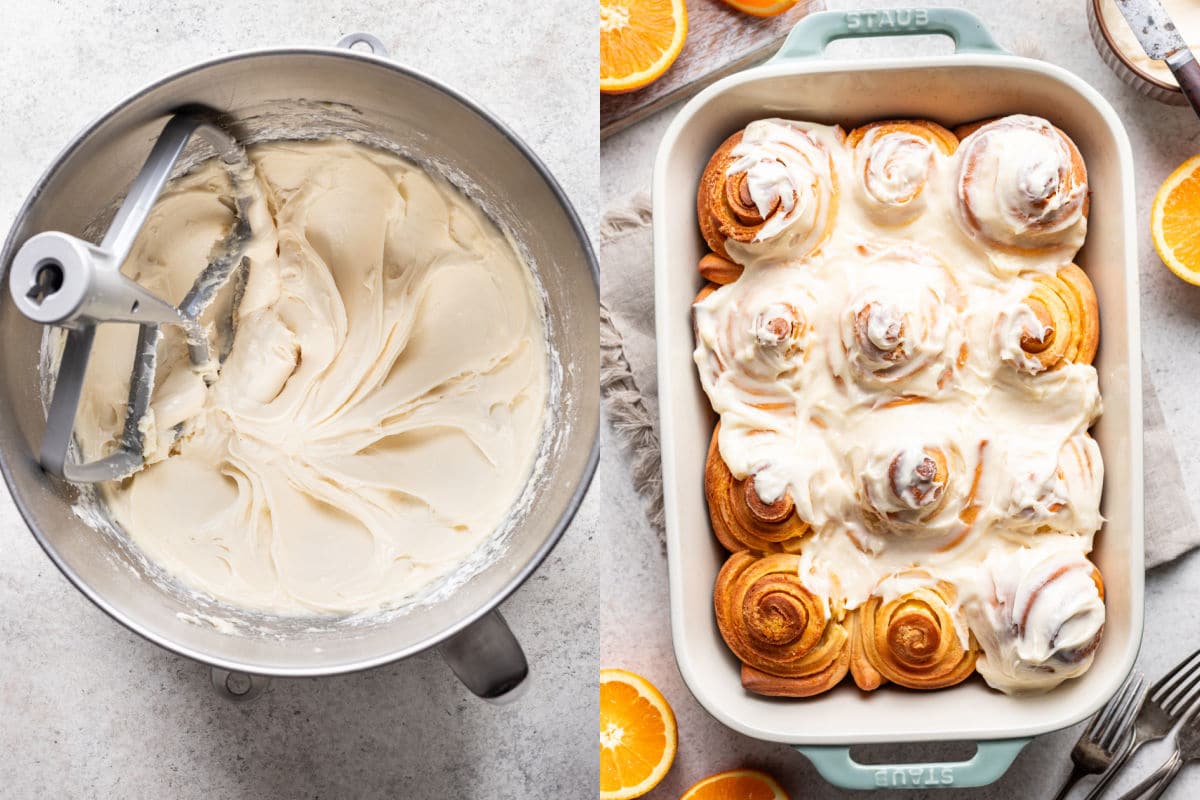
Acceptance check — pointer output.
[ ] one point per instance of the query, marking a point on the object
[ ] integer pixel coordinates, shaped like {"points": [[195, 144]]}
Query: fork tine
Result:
{"points": [[1102, 721], [1168, 682], [1182, 696], [1124, 717]]}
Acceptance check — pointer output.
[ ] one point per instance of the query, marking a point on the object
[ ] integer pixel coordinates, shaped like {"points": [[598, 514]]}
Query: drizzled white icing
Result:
{"points": [[839, 422]]}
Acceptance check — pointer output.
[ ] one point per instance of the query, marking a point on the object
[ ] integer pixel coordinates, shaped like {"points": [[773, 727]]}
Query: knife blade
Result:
{"points": [[1162, 41], [1153, 27]]}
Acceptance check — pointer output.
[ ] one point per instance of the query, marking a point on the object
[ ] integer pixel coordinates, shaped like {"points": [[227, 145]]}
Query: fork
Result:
{"points": [[1172, 698], [1097, 747], [1187, 748]]}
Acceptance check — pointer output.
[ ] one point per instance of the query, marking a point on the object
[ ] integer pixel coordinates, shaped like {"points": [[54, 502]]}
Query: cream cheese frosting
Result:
{"points": [[381, 405], [879, 382]]}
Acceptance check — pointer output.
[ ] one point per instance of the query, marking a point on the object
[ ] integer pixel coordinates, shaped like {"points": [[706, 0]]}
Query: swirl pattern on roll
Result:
{"points": [[1022, 186], [1062, 494], [1040, 617], [741, 519], [760, 342], [792, 640], [769, 189], [1057, 323], [900, 322], [909, 632], [916, 490], [893, 162]]}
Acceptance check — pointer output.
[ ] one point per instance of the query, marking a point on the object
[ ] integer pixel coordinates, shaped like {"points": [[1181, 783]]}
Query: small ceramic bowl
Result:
{"points": [[1120, 50]]}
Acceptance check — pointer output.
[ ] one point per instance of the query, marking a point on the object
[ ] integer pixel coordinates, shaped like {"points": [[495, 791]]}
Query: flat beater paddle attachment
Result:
{"points": [[59, 279]]}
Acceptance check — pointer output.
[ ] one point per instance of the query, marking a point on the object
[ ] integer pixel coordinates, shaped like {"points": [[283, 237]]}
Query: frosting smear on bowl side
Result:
{"points": [[377, 410]]}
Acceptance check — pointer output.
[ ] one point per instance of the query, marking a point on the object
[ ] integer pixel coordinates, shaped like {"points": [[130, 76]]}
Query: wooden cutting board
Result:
{"points": [[720, 41]]}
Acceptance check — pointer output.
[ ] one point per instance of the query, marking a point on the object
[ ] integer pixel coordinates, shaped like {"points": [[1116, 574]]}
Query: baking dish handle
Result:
{"points": [[991, 760], [812, 34]]}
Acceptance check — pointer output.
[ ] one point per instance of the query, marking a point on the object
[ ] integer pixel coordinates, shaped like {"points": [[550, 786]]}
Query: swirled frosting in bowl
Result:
{"points": [[378, 411], [912, 417]]}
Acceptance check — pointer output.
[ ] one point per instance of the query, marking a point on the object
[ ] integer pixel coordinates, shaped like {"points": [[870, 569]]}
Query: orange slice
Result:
{"points": [[637, 735], [761, 8], [737, 784], [639, 40], [1175, 221]]}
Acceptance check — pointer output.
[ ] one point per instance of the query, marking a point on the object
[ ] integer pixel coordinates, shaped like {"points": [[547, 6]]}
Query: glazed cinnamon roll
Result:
{"points": [[909, 633], [899, 331], [791, 639], [893, 161], [741, 519], [770, 189], [1057, 323], [1038, 615], [1059, 494], [1022, 186], [913, 490], [752, 337]]}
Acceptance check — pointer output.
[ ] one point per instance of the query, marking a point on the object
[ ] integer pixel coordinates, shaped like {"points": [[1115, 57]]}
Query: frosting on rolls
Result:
{"points": [[1038, 614], [784, 170], [1022, 186], [894, 162], [931, 410], [899, 328]]}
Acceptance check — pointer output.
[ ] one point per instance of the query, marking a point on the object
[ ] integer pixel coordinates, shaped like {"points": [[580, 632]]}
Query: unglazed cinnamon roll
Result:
{"points": [[1038, 615], [893, 160], [791, 640], [899, 330], [752, 340], [1057, 323], [909, 633], [1022, 186], [770, 190], [1059, 494], [741, 519], [718, 269]]}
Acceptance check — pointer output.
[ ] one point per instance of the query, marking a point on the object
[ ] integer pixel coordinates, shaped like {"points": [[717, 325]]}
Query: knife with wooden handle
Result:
{"points": [[1162, 41]]}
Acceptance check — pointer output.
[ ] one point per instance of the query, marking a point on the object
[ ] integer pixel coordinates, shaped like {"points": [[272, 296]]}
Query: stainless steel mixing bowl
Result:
{"points": [[308, 93]]}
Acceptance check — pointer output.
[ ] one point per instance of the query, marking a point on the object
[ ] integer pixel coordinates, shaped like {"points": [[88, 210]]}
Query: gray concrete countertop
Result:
{"points": [[635, 626], [87, 709]]}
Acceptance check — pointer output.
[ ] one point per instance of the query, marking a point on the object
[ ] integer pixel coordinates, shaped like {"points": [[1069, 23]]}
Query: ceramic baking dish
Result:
{"points": [[978, 80]]}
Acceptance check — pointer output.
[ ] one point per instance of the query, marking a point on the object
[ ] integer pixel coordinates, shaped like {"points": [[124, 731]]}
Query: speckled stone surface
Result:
{"points": [[87, 709], [635, 626]]}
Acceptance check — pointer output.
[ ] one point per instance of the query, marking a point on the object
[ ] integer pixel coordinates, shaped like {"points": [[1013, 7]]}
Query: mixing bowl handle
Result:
{"points": [[373, 43], [488, 659], [991, 760], [812, 34]]}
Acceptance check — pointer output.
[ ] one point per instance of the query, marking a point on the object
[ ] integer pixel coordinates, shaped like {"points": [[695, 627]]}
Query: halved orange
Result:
{"points": [[639, 40], [1175, 221], [637, 735], [761, 8], [736, 784]]}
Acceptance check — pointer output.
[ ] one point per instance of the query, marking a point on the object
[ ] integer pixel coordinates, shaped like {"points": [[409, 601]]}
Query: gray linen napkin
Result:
{"points": [[630, 385]]}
